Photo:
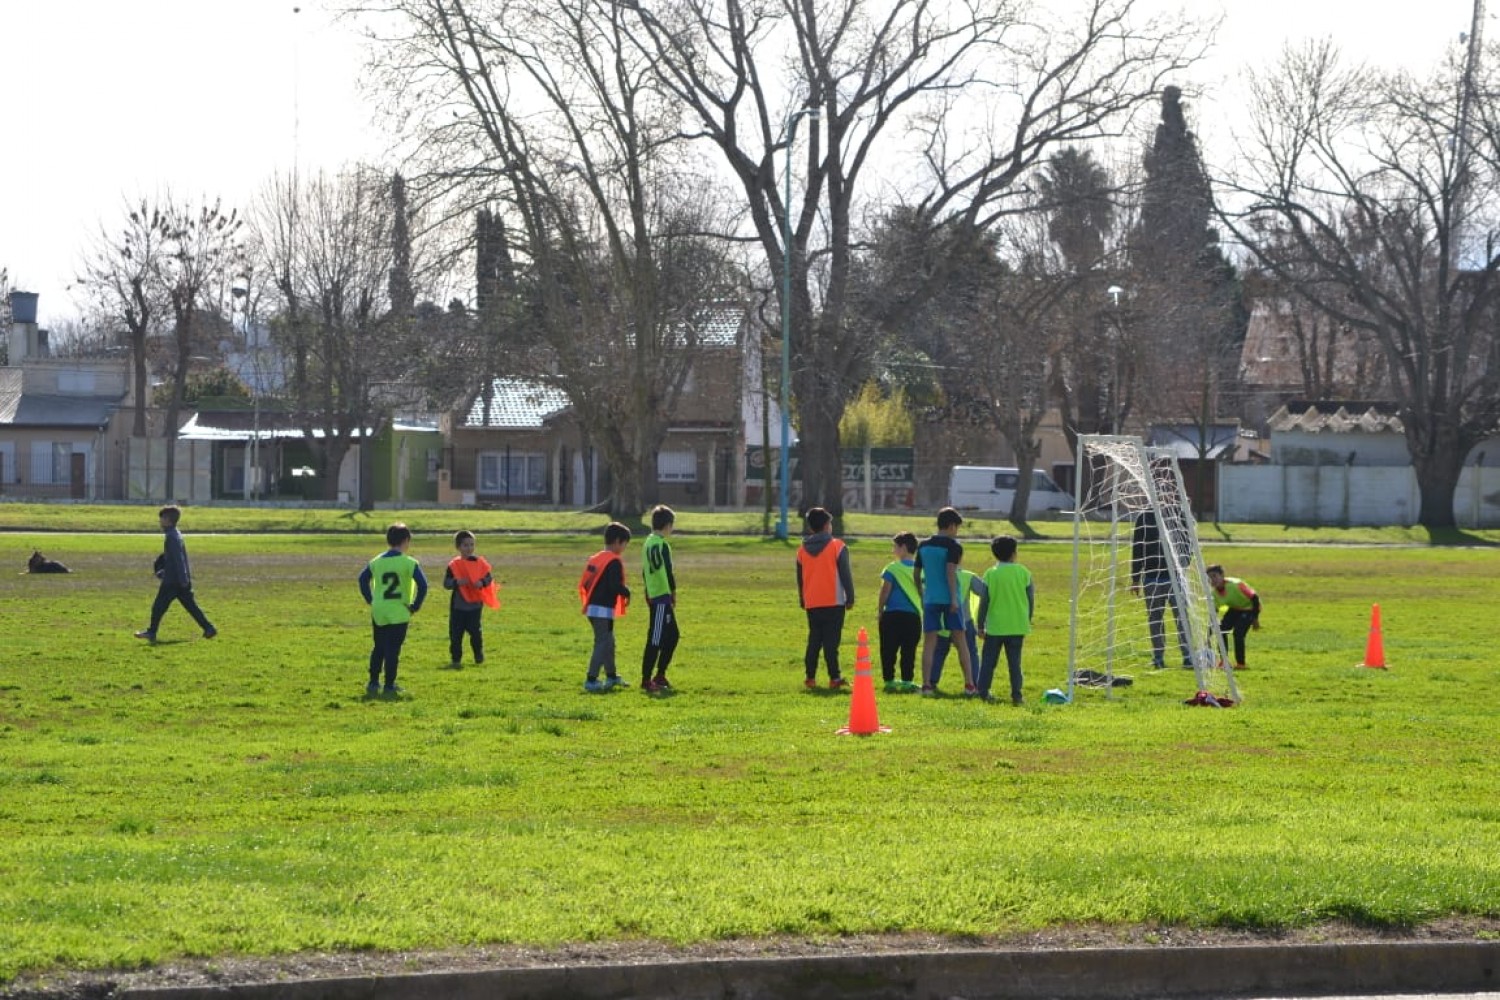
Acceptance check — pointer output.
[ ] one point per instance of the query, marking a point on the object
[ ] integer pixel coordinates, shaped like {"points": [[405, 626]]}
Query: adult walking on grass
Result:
{"points": [[176, 578]]}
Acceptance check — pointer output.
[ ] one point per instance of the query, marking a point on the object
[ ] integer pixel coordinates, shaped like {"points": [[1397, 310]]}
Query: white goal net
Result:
{"points": [[1141, 599]]}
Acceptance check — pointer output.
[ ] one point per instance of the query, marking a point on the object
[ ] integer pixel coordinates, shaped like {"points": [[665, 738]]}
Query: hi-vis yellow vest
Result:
{"points": [[392, 588]]}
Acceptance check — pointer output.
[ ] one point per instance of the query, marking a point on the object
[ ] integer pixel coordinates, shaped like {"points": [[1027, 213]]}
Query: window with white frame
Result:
{"points": [[514, 474], [677, 466]]}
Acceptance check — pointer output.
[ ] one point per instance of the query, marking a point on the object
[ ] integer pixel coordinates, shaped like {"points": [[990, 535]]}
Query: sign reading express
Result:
{"points": [[888, 466]]}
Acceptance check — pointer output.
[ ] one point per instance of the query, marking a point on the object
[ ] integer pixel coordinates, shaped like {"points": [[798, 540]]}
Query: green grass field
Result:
{"points": [[241, 796]]}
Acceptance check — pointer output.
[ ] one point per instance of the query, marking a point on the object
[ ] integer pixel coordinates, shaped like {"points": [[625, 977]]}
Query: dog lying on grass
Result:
{"points": [[39, 563]]}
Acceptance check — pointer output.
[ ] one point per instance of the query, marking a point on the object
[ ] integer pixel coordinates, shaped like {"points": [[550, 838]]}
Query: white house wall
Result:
{"points": [[1348, 495], [1304, 448]]}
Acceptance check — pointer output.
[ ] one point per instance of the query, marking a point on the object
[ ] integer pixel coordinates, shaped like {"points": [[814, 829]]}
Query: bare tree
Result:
{"points": [[329, 245], [541, 113], [989, 310], [954, 102], [200, 245], [120, 270], [1372, 196]]}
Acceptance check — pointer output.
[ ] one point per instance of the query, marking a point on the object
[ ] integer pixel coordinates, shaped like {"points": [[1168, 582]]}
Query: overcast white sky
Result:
{"points": [[106, 100]]}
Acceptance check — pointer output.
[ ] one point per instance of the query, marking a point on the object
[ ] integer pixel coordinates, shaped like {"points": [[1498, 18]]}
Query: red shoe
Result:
{"points": [[836, 683], [810, 683]]}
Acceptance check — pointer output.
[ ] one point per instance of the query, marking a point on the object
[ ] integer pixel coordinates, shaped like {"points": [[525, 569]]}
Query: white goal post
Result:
{"points": [[1140, 595]]}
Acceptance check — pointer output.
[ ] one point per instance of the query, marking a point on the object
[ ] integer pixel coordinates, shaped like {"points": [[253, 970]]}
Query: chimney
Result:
{"points": [[26, 341]]}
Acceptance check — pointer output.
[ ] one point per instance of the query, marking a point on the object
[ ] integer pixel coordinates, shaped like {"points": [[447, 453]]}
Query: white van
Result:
{"points": [[991, 489]]}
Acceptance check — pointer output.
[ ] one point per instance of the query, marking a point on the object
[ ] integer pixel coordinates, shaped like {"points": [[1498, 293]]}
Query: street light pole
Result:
{"points": [[782, 531]]}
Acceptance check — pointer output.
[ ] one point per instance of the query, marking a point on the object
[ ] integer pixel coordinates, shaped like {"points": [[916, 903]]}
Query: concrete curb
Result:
{"points": [[958, 975]]}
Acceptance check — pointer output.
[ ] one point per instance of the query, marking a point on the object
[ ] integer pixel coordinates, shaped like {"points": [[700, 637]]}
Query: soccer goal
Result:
{"points": [[1140, 597]]}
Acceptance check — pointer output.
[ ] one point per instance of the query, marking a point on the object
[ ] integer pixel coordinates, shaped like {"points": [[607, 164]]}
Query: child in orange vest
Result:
{"points": [[825, 588], [605, 597], [473, 585]]}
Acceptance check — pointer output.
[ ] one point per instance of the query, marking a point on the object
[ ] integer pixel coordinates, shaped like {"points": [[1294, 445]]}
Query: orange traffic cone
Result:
{"points": [[1374, 646], [862, 718]]}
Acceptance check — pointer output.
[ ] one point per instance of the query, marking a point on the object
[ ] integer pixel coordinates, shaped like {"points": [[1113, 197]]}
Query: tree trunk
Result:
{"points": [[1026, 456], [138, 357], [334, 450], [1438, 465], [820, 466]]}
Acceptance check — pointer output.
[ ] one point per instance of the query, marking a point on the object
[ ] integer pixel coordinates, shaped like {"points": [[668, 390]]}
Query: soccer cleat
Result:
{"points": [[910, 686], [392, 691], [970, 691], [478, 661], [372, 689], [928, 691], [661, 683], [210, 632], [893, 687], [593, 686], [835, 683], [146, 634], [810, 683], [616, 682], [1016, 699], [456, 665]]}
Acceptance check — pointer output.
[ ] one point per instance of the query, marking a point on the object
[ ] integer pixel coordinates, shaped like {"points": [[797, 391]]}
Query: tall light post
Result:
{"points": [[1115, 335], [786, 316]]}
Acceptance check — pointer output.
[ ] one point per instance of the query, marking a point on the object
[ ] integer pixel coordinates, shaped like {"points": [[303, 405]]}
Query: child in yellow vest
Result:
{"points": [[1240, 605], [394, 588]]}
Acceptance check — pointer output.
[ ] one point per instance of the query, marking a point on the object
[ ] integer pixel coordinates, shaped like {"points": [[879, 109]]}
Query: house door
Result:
{"points": [[78, 464]]}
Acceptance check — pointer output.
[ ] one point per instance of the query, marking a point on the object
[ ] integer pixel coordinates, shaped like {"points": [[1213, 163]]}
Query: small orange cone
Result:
{"points": [[1375, 646], [862, 718]]}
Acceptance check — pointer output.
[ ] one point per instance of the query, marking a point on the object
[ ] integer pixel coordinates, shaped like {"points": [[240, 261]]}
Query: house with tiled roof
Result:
{"points": [[63, 421], [1334, 432], [518, 441]]}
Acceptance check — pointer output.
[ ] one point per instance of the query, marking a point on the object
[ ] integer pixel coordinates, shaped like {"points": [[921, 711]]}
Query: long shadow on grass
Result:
{"points": [[1457, 536]]}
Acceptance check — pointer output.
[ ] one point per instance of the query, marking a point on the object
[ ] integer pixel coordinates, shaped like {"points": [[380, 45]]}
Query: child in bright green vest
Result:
{"points": [[1005, 613], [394, 587]]}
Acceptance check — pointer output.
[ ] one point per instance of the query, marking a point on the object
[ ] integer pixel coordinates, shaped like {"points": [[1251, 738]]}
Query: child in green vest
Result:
{"points": [[1005, 612], [661, 602], [899, 614], [1240, 605], [394, 588]]}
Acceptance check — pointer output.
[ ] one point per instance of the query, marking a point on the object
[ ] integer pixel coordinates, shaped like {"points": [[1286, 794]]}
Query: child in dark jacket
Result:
{"points": [[605, 597], [176, 578]]}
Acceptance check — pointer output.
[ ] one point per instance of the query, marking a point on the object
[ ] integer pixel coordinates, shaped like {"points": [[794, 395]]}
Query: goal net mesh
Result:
{"points": [[1140, 595]]}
